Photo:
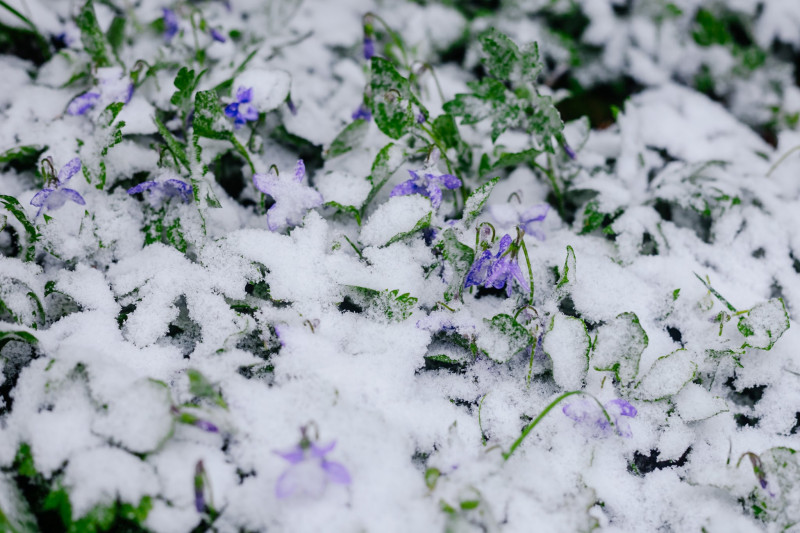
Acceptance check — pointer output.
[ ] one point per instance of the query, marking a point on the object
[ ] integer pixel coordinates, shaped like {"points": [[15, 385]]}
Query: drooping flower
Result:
{"points": [[160, 191], [170, 24], [362, 113], [570, 152], [240, 110], [529, 219], [427, 184], [369, 48], [498, 269], [113, 86], [292, 198], [52, 198], [309, 471], [587, 412], [217, 35]]}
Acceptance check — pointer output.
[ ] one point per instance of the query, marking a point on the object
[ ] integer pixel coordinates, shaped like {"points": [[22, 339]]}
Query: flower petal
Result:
{"points": [[174, 187], [337, 473], [405, 188], [69, 170], [435, 194], [322, 451], [73, 195], [244, 94], [449, 181], [266, 183], [144, 186], [535, 213], [41, 197], [299, 170], [294, 456], [250, 113], [83, 103], [232, 110]]}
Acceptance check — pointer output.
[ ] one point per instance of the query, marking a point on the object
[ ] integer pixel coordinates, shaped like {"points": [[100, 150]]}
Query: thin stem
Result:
{"points": [[782, 159], [394, 35], [554, 185], [530, 270]]}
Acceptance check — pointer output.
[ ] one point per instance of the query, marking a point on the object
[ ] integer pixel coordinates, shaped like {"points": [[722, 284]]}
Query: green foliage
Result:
{"points": [[446, 131], [116, 34], [185, 82], [94, 40], [475, 202], [385, 164], [208, 118], [177, 148], [22, 158], [421, 224], [20, 336], [12, 205], [764, 324], [618, 347], [202, 388], [350, 137], [459, 258], [570, 263], [505, 338], [390, 99]]}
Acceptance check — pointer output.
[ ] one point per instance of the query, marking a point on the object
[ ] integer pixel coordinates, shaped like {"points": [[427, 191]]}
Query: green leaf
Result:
{"points": [[474, 204], [175, 236], [458, 259], [116, 34], [202, 388], [567, 344], [386, 163], [22, 158], [570, 263], [93, 39], [505, 338], [516, 158], [109, 114], [422, 223], [350, 209], [667, 376], [13, 206], [208, 117], [350, 137], [446, 130], [390, 99], [764, 324], [58, 500], [175, 146], [619, 346], [185, 82], [469, 504], [431, 477]]}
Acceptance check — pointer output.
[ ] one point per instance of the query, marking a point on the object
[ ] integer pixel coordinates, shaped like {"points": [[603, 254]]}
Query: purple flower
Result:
{"points": [[362, 113], [113, 86], [217, 36], [54, 198], [309, 471], [170, 24], [421, 118], [588, 413], [291, 106], [427, 184], [570, 152], [369, 48], [239, 112], [497, 269], [510, 215], [292, 198], [160, 191], [199, 487]]}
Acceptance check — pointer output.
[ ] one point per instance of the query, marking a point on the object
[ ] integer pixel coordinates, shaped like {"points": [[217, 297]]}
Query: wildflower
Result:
{"points": [[570, 152], [292, 198], [588, 413], [158, 192], [498, 269], [309, 471], [362, 113], [242, 113], [427, 183], [199, 487], [170, 24], [53, 198], [509, 215], [113, 86], [369, 48], [291, 106]]}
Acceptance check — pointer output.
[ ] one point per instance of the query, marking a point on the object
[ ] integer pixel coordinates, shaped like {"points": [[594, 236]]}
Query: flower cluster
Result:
{"points": [[427, 184], [589, 414], [292, 198]]}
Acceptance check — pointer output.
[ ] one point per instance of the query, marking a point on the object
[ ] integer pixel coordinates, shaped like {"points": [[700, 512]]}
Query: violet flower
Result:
{"points": [[362, 113], [199, 487], [309, 471], [292, 198], [170, 24], [588, 413], [369, 48], [530, 219], [160, 191], [498, 269], [238, 111], [217, 36], [427, 184], [113, 86], [52, 198], [570, 152]]}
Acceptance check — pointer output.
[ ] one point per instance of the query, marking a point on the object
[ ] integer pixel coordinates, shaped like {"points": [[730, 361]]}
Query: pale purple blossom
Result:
{"points": [[170, 24], [529, 219], [497, 267], [52, 198], [160, 191], [427, 184], [292, 198], [309, 471], [587, 413], [570, 152], [113, 86], [199, 487], [369, 48], [217, 35], [240, 110]]}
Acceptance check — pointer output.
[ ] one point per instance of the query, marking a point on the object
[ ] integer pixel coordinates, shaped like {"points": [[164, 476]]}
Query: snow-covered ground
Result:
{"points": [[355, 265]]}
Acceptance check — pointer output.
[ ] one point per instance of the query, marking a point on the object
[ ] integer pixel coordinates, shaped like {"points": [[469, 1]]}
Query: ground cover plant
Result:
{"points": [[399, 266]]}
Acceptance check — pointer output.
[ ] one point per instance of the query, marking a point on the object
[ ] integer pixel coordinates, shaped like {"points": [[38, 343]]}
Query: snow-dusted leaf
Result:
{"points": [[668, 375], [567, 343], [476, 200], [503, 338], [618, 347]]}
